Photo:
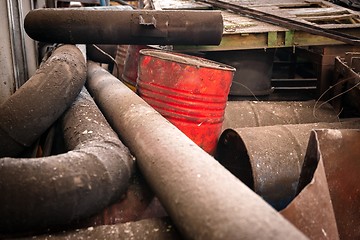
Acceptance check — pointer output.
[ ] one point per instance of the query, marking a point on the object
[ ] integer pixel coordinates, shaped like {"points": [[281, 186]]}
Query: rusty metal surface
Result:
{"points": [[120, 58], [138, 27], [269, 159], [38, 193], [346, 91], [30, 111], [188, 182], [131, 66], [312, 210], [355, 64], [340, 153], [239, 114]]}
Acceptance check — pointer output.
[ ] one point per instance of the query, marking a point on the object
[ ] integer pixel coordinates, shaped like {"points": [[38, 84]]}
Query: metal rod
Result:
{"points": [[15, 16], [119, 26], [202, 198]]}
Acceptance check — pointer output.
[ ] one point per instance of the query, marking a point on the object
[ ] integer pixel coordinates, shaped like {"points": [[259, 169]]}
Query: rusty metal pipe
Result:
{"points": [[138, 27], [202, 198], [337, 153], [30, 111], [240, 114], [269, 159], [56, 190]]}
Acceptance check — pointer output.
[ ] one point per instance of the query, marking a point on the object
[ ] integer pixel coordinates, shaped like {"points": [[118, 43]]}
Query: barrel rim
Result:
{"points": [[186, 59]]}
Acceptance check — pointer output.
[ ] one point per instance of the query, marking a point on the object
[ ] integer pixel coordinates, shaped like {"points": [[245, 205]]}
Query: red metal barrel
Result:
{"points": [[131, 65], [191, 92]]}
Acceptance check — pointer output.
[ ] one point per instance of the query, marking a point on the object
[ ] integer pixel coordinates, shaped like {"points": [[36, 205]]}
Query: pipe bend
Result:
{"points": [[56, 190], [30, 111]]}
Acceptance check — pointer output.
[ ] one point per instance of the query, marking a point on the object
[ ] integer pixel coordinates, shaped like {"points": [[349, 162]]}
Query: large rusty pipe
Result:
{"points": [[138, 27], [240, 114], [202, 198], [31, 110], [56, 190], [269, 159]]}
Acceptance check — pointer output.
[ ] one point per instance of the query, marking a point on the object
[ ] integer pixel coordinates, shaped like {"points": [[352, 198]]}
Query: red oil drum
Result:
{"points": [[191, 92], [131, 65]]}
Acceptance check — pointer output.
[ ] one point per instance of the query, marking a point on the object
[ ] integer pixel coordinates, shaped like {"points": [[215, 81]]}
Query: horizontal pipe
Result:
{"points": [[56, 190], [31, 110], [202, 198], [240, 114], [138, 27]]}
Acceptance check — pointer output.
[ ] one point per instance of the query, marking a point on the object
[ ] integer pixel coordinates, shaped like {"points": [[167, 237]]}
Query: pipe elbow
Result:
{"points": [[31, 110], [56, 190]]}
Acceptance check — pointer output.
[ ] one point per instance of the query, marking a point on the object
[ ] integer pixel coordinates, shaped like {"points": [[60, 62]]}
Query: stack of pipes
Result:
{"points": [[124, 155]]}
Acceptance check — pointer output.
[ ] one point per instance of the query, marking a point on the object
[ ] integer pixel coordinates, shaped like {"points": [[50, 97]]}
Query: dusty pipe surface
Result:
{"points": [[239, 114], [202, 198], [55, 190], [30, 111], [337, 150], [138, 27], [137, 203], [269, 159], [154, 228]]}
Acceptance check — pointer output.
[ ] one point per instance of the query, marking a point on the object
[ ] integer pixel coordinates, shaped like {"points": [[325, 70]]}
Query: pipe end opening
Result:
{"points": [[232, 154]]}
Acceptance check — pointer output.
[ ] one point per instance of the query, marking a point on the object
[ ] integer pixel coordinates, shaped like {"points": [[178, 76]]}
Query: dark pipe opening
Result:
{"points": [[309, 166], [232, 154]]}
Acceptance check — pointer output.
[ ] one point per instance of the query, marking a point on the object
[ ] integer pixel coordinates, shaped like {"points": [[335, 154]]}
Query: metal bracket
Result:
{"points": [[149, 25], [147, 20]]}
